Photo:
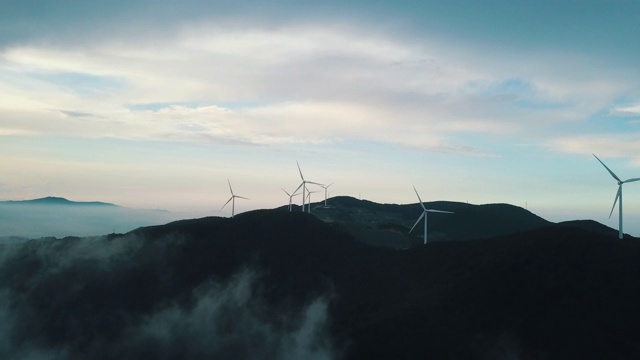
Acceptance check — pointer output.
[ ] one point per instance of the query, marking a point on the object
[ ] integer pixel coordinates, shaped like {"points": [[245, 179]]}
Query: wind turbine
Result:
{"points": [[232, 199], [303, 185], [325, 193], [290, 197], [618, 195], [424, 215], [309, 199]]}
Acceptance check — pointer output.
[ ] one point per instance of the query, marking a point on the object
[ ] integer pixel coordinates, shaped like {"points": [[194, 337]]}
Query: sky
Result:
{"points": [[157, 104]]}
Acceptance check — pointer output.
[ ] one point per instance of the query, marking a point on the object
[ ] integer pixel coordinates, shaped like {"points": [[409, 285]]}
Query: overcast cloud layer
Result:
{"points": [[514, 95]]}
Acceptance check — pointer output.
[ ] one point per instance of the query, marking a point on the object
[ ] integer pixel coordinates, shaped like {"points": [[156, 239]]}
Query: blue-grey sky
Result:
{"points": [[155, 104]]}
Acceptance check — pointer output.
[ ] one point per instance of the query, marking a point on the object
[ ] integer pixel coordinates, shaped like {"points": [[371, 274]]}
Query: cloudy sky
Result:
{"points": [[155, 104]]}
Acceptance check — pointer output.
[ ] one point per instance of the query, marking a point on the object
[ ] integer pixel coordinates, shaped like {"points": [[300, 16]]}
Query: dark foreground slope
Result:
{"points": [[254, 287], [274, 285], [553, 293]]}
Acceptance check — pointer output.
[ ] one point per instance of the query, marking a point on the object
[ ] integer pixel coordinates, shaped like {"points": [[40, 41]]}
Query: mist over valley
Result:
{"points": [[59, 217]]}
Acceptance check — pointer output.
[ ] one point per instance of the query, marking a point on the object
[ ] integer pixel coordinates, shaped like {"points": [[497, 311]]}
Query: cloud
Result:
{"points": [[35, 221], [625, 145], [626, 111], [77, 114], [225, 322], [313, 83]]}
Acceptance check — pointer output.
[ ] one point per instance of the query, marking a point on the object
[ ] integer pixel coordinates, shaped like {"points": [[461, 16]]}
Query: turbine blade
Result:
{"points": [[298, 188], [225, 204], [241, 197], [440, 211], [421, 204], [414, 225], [326, 186], [230, 189], [616, 200], [631, 180], [285, 191], [315, 183], [609, 170], [300, 171]]}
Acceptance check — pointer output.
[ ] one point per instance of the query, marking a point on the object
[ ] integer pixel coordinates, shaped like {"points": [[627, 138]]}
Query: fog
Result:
{"points": [[32, 221], [120, 298]]}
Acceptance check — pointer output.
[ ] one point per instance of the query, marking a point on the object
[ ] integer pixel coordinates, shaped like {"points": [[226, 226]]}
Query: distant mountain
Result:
{"points": [[59, 217], [52, 200], [273, 285]]}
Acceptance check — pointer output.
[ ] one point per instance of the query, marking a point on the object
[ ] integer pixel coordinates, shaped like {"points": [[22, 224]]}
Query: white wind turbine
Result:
{"points": [[325, 193], [303, 185], [290, 197], [424, 215], [309, 199], [232, 199], [618, 195]]}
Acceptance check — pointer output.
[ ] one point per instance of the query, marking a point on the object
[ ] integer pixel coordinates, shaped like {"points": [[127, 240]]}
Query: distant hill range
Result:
{"points": [[59, 217], [269, 284], [58, 201], [388, 225], [385, 225]]}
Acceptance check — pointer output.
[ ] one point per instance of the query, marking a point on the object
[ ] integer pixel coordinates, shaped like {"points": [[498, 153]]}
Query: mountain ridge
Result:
{"points": [[60, 217], [54, 200], [388, 225], [376, 224], [554, 292]]}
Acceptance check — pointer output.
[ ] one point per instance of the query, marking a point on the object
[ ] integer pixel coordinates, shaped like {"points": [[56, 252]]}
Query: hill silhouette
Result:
{"points": [[53, 200], [277, 285], [593, 226], [388, 225]]}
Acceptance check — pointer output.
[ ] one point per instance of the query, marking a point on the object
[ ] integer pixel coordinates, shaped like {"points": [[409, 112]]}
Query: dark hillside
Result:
{"points": [[279, 285], [554, 293], [253, 287], [592, 226], [387, 225], [300, 254]]}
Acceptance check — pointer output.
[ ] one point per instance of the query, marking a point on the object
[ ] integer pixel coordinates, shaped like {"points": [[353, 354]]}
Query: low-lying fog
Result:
{"points": [[35, 221], [126, 298]]}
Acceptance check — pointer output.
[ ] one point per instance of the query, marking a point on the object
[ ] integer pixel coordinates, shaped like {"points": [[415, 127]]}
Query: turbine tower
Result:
{"points": [[309, 192], [232, 199], [290, 197], [303, 185], [325, 193], [618, 196], [424, 215]]}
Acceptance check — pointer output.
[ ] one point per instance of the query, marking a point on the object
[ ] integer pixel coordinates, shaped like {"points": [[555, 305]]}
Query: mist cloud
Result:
{"points": [[35, 221], [227, 321], [120, 298]]}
